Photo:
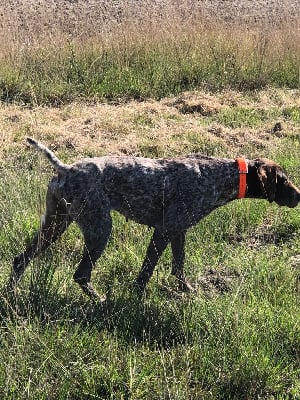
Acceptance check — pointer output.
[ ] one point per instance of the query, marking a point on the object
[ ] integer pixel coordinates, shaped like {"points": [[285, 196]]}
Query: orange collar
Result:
{"points": [[243, 171]]}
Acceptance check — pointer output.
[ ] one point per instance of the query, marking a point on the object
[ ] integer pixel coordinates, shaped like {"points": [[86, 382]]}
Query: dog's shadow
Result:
{"points": [[129, 316]]}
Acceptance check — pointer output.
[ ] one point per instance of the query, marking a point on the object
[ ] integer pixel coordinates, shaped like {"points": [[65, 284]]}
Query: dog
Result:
{"points": [[170, 195]]}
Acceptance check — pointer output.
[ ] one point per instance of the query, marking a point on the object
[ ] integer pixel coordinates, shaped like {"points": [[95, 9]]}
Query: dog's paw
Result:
{"points": [[185, 286], [89, 290]]}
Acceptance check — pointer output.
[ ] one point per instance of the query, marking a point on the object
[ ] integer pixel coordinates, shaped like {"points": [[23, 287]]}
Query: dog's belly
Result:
{"points": [[142, 209]]}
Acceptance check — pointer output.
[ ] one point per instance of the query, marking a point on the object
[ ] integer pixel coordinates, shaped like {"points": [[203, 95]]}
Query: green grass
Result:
{"points": [[148, 62], [293, 113], [236, 341], [61, 78]]}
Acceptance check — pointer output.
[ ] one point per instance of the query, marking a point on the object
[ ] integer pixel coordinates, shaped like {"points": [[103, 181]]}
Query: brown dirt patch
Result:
{"points": [[218, 281]]}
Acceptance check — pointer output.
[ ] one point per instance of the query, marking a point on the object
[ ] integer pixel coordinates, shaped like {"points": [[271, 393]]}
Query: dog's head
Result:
{"points": [[275, 185]]}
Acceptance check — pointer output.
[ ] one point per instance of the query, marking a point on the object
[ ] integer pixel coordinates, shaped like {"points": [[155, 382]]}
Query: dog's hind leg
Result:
{"points": [[96, 229], [155, 249], [54, 223], [177, 245]]}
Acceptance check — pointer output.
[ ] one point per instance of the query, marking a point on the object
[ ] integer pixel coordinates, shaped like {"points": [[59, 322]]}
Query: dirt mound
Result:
{"points": [[197, 103]]}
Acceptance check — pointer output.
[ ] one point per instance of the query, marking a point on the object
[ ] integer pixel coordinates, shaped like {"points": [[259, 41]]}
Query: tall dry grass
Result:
{"points": [[58, 51]]}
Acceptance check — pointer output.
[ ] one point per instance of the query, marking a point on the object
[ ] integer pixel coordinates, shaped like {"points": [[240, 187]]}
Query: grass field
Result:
{"points": [[56, 52], [170, 79], [238, 337]]}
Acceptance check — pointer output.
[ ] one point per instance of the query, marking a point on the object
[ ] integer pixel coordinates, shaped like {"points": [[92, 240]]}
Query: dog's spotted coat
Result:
{"points": [[169, 195]]}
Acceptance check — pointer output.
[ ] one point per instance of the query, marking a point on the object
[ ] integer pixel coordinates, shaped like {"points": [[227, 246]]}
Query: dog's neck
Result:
{"points": [[253, 183]]}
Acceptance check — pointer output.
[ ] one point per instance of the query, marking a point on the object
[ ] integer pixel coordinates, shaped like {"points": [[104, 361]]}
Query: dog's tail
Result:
{"points": [[57, 164]]}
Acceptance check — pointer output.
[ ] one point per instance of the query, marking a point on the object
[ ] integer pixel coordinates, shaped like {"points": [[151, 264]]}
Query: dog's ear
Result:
{"points": [[267, 175]]}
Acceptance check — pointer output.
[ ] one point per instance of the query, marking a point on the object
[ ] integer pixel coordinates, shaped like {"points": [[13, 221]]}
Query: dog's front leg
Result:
{"points": [[177, 245], [155, 249]]}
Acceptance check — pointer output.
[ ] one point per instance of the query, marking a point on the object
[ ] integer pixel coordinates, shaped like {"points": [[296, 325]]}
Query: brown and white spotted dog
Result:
{"points": [[169, 195]]}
